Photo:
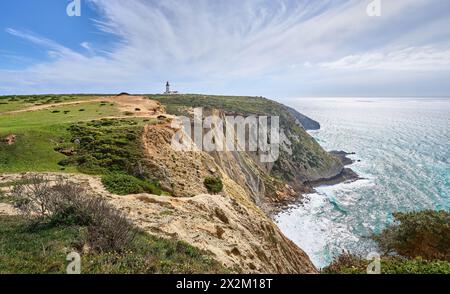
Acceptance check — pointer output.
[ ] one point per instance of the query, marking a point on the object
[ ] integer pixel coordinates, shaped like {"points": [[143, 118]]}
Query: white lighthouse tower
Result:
{"points": [[167, 88], [168, 92]]}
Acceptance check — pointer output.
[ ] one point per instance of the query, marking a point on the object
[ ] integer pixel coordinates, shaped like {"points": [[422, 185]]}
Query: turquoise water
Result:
{"points": [[404, 150]]}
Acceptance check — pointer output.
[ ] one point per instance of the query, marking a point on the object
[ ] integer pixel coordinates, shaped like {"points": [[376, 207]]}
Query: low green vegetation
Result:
{"points": [[425, 234], [33, 149], [44, 250], [122, 184], [16, 102], [352, 264], [214, 185], [178, 104], [38, 132], [57, 220], [417, 243], [74, 138], [103, 146], [3, 198], [111, 148]]}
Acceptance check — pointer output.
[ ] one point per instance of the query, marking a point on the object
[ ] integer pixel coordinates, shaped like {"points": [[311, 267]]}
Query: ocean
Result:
{"points": [[402, 152]]}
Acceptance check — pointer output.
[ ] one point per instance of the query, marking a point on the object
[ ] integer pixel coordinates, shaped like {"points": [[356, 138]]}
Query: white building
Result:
{"points": [[168, 92]]}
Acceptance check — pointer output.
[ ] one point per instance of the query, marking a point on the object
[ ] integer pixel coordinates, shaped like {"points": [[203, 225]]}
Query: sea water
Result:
{"points": [[402, 151]]}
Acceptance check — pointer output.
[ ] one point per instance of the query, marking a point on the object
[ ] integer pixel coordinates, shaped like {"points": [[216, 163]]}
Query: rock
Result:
{"points": [[10, 139]]}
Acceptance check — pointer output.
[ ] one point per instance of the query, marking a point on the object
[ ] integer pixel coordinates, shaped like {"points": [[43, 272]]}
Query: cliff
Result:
{"points": [[301, 162], [119, 135], [306, 122]]}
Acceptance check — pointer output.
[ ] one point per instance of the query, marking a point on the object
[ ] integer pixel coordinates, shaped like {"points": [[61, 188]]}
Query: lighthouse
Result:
{"points": [[168, 92], [167, 88]]}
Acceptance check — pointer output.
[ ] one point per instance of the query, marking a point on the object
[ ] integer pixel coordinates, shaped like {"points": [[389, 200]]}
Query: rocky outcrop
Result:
{"points": [[306, 122]]}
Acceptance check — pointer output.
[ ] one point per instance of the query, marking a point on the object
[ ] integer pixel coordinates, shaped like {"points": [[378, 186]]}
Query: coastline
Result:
{"points": [[346, 175]]}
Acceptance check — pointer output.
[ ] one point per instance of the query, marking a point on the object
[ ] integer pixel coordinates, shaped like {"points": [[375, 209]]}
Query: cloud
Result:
{"points": [[236, 46], [420, 59]]}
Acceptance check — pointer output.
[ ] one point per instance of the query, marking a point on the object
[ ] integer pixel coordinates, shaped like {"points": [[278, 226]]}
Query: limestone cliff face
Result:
{"points": [[231, 225], [302, 161]]}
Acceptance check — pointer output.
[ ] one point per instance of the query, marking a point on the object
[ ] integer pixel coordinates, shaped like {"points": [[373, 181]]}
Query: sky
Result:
{"points": [[272, 48]]}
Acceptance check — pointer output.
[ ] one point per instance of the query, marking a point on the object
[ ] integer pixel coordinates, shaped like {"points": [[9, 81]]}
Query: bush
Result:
{"points": [[122, 184], [353, 264], [103, 150], [66, 204], [34, 198], [109, 230], [213, 185], [425, 234], [416, 243]]}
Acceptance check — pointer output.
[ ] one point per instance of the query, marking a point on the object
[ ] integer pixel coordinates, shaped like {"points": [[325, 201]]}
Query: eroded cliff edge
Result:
{"points": [[301, 163], [235, 225]]}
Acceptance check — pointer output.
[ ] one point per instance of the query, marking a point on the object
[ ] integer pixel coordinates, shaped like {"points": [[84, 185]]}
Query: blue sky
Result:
{"points": [[285, 48]]}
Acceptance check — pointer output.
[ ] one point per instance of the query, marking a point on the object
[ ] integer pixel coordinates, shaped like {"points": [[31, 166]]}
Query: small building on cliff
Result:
{"points": [[168, 92]]}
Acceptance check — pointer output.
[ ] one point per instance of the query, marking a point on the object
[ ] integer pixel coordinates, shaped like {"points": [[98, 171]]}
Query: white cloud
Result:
{"points": [[419, 59], [207, 45]]}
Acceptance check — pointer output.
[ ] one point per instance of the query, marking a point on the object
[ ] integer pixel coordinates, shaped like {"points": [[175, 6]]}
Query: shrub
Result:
{"points": [[122, 184], [213, 185], [102, 150], [65, 162], [425, 234], [109, 229], [416, 243], [353, 264], [33, 197], [67, 204]]}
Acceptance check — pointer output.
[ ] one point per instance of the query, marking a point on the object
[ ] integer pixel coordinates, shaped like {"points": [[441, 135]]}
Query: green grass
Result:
{"points": [[39, 132], [44, 250], [106, 146], [122, 184], [6, 106], [34, 150], [12, 103], [43, 118], [177, 104]]}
